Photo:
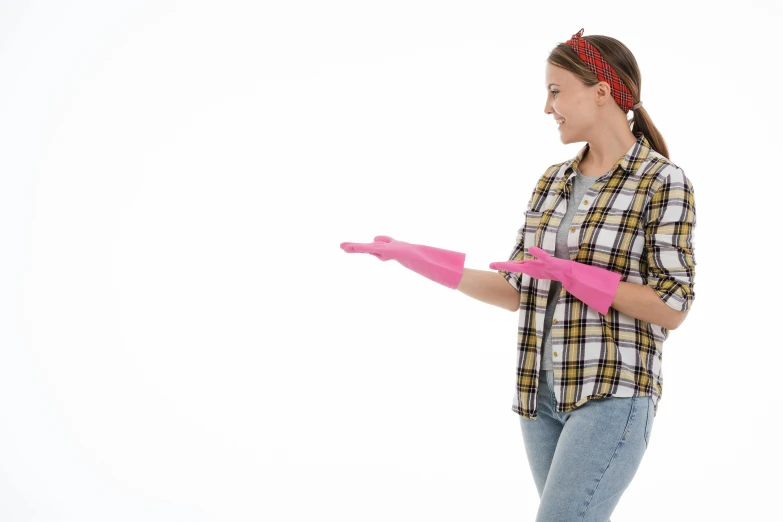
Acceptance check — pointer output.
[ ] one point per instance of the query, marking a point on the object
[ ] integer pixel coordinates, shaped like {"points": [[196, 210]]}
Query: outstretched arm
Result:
{"points": [[489, 287], [443, 266]]}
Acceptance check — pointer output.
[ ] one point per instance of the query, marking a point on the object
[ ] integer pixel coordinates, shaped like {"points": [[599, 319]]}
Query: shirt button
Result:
{"points": [[554, 321], [585, 202], [554, 353], [572, 229]]}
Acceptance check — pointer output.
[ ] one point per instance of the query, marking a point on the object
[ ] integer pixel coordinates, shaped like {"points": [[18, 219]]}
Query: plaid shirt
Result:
{"points": [[637, 220]]}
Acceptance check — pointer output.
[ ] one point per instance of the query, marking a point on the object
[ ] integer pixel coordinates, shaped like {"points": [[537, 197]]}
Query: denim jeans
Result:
{"points": [[583, 460]]}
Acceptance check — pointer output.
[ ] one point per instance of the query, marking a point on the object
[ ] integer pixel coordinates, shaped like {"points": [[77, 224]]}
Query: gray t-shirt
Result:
{"points": [[580, 186]]}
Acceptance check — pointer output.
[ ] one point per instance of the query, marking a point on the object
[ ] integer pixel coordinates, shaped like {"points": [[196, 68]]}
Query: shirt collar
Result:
{"points": [[629, 163]]}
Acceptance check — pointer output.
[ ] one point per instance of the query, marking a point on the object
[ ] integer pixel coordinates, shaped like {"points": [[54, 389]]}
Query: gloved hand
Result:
{"points": [[442, 266], [594, 286]]}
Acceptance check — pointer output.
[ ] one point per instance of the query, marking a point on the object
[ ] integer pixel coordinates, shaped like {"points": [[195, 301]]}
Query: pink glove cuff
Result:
{"points": [[594, 286], [437, 264]]}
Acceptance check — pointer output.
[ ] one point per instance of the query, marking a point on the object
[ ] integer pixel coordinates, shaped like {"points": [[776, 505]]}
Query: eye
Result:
{"points": [[553, 93]]}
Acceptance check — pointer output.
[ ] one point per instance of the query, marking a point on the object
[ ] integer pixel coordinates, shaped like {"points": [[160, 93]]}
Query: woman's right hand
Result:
{"points": [[382, 247], [442, 266]]}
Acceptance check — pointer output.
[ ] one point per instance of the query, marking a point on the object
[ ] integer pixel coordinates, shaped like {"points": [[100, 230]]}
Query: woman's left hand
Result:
{"points": [[593, 285]]}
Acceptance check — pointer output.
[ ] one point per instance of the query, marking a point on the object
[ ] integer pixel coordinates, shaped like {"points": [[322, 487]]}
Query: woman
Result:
{"points": [[602, 268]]}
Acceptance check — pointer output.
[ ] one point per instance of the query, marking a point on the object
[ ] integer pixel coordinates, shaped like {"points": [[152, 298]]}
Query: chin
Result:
{"points": [[565, 140]]}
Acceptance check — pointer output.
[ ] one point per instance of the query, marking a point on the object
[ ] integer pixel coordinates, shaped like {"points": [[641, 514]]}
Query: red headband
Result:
{"points": [[590, 55]]}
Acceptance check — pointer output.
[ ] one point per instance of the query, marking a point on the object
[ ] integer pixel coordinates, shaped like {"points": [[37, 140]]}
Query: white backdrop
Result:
{"points": [[182, 338]]}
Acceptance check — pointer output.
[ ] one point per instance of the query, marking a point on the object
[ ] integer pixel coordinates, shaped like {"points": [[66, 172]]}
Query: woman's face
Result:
{"points": [[570, 100]]}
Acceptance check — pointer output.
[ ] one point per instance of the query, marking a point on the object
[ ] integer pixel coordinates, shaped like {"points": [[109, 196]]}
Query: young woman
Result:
{"points": [[602, 268]]}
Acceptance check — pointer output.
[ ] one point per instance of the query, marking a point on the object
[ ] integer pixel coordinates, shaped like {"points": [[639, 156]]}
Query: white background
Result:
{"points": [[182, 338]]}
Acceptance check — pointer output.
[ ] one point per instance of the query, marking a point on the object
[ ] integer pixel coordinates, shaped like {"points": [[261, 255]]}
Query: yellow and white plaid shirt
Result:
{"points": [[638, 220]]}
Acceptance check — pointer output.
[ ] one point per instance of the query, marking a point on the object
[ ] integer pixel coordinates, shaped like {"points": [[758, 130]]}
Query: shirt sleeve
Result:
{"points": [[669, 248], [515, 278]]}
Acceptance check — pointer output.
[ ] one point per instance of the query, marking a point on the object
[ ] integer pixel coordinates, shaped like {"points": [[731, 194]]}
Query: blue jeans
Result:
{"points": [[583, 460]]}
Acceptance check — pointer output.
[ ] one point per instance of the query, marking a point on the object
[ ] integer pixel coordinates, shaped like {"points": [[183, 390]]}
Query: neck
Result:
{"points": [[606, 146]]}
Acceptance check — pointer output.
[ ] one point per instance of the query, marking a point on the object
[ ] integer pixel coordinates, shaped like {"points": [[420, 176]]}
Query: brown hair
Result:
{"points": [[624, 64]]}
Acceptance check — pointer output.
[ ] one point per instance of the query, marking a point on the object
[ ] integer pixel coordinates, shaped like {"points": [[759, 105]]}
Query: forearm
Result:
{"points": [[489, 287], [641, 302]]}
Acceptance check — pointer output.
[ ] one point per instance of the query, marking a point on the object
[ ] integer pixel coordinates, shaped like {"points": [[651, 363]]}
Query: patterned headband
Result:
{"points": [[590, 55]]}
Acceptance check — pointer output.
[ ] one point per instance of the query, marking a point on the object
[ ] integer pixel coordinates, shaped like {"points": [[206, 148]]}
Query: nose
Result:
{"points": [[548, 106]]}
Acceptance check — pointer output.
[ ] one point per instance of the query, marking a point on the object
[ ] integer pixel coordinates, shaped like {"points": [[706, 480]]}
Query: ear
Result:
{"points": [[603, 93]]}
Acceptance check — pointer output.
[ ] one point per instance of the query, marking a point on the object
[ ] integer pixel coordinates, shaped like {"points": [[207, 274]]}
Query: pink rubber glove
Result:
{"points": [[442, 266], [594, 286]]}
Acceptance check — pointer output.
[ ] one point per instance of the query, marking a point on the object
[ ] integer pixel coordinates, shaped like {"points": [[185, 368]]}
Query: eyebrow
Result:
{"points": [[551, 84]]}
